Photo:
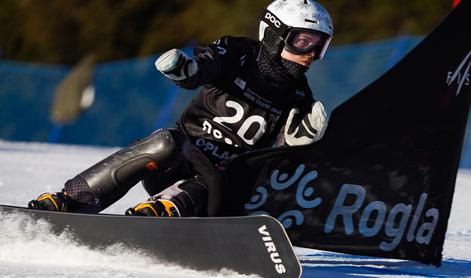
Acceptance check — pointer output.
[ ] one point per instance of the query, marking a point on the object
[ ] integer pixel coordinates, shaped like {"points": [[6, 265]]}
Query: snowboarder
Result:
{"points": [[254, 95]]}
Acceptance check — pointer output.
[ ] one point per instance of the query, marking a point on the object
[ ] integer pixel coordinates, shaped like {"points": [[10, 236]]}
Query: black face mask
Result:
{"points": [[277, 71], [271, 70], [294, 69]]}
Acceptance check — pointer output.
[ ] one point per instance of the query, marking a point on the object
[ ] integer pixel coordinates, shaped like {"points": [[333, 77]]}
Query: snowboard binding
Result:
{"points": [[154, 207], [57, 201]]}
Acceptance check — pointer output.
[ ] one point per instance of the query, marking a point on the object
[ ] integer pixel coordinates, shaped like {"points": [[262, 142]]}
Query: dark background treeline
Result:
{"points": [[63, 31]]}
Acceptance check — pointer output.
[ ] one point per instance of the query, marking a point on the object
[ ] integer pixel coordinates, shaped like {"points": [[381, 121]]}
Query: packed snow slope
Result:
{"points": [[28, 250]]}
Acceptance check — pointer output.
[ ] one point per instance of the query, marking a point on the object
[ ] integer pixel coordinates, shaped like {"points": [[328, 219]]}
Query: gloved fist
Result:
{"points": [[309, 130], [176, 65]]}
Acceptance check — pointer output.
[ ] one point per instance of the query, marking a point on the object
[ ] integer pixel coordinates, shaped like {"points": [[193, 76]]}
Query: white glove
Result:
{"points": [[311, 128], [176, 65]]}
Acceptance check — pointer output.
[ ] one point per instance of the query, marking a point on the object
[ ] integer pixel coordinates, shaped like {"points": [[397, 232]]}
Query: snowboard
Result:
{"points": [[247, 245]]}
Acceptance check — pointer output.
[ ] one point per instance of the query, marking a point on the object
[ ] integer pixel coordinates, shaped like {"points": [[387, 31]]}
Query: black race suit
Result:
{"points": [[243, 105], [237, 110]]}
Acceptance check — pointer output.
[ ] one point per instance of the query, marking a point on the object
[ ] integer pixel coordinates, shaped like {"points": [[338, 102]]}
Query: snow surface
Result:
{"points": [[29, 250]]}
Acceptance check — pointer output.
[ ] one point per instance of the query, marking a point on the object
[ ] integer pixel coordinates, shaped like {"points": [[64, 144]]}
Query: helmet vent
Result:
{"points": [[312, 21]]}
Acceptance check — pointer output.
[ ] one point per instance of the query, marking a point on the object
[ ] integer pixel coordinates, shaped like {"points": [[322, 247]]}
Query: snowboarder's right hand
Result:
{"points": [[176, 65]]}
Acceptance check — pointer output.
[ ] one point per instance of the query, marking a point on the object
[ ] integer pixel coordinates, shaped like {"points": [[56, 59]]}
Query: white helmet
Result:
{"points": [[287, 18]]}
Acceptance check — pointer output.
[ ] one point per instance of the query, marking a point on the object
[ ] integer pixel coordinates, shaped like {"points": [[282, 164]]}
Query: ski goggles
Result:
{"points": [[300, 42]]}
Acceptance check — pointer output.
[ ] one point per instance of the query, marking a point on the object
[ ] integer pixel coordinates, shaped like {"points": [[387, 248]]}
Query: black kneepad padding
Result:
{"points": [[111, 178]]}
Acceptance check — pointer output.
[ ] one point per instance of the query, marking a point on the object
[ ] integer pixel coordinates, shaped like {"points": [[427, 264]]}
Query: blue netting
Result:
{"points": [[133, 99]]}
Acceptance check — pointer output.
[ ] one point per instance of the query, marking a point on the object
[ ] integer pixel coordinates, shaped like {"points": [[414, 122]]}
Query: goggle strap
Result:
{"points": [[274, 22]]}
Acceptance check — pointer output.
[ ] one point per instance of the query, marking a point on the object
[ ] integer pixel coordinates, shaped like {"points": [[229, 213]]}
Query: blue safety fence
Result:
{"points": [[133, 99]]}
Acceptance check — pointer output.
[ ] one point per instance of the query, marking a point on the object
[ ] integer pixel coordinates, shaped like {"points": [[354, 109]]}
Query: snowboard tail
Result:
{"points": [[247, 245]]}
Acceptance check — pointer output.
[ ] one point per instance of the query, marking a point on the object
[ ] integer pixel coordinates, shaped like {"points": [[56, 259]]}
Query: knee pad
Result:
{"points": [[110, 179]]}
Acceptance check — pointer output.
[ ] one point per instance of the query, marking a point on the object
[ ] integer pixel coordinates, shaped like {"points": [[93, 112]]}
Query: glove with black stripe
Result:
{"points": [[176, 65], [309, 130]]}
